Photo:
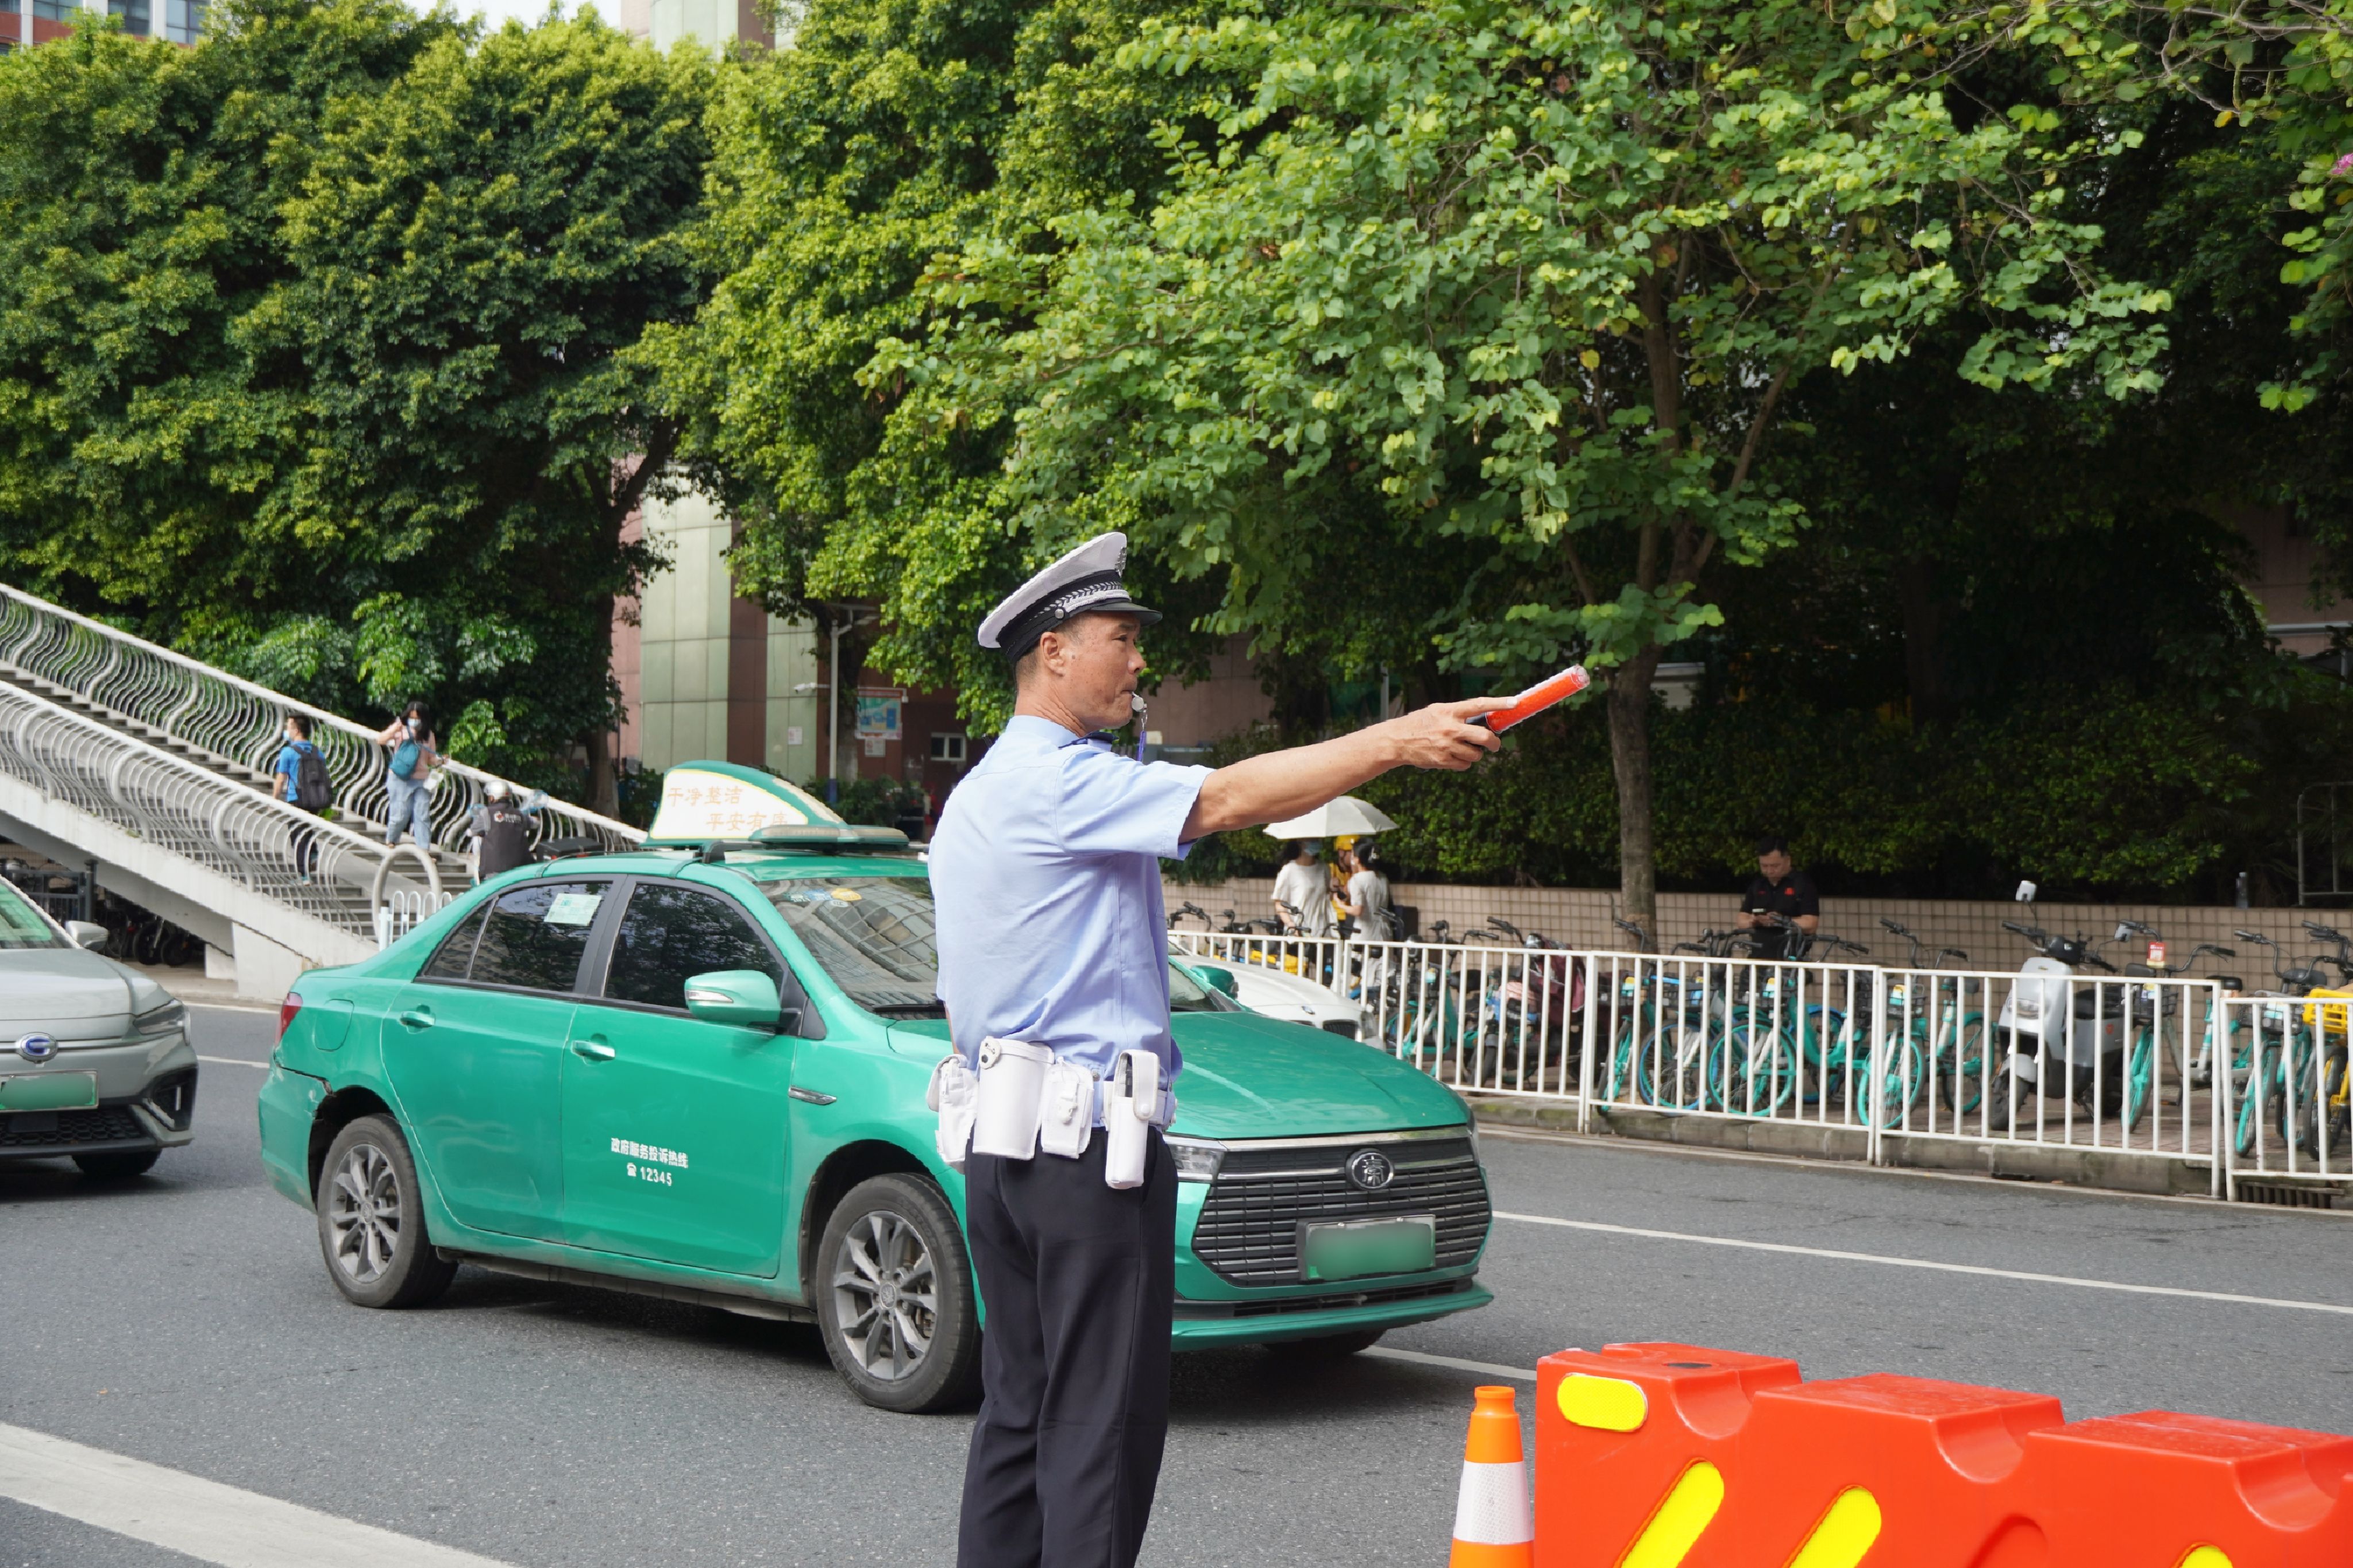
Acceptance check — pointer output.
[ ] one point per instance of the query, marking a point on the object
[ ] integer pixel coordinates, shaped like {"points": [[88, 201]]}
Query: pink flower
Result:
{"points": [[2344, 165]]}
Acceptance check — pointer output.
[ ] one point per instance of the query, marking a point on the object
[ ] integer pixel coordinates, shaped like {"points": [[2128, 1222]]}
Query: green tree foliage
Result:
{"points": [[313, 347], [1541, 277], [892, 133]]}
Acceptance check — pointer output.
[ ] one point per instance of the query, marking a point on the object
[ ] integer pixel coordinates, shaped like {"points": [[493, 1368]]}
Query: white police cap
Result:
{"points": [[1084, 582]]}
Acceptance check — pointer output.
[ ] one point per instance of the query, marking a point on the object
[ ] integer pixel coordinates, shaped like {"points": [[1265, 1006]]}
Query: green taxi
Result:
{"points": [[699, 1072]]}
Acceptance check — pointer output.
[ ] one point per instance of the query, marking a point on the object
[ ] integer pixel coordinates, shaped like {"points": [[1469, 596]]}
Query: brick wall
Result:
{"points": [[1580, 918]]}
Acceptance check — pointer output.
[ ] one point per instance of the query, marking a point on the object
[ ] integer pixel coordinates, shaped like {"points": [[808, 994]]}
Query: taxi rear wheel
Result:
{"points": [[895, 1296], [371, 1224]]}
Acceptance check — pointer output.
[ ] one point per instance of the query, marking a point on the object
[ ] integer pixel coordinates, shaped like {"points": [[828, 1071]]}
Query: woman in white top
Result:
{"points": [[1368, 892], [1302, 886]]}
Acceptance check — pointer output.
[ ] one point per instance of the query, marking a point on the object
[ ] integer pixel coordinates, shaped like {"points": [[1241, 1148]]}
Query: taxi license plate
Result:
{"points": [[1353, 1249], [49, 1092]]}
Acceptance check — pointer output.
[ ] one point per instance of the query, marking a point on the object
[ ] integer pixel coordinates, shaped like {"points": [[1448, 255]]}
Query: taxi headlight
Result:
{"points": [[1198, 1159], [163, 1020]]}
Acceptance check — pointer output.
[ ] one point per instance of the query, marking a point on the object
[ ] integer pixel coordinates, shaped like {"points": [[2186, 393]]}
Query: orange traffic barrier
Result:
{"points": [[2192, 1491], [1664, 1456], [1492, 1525], [1635, 1446]]}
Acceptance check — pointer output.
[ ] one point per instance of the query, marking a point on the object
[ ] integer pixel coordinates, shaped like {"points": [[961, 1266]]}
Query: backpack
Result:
{"points": [[404, 758], [313, 790]]}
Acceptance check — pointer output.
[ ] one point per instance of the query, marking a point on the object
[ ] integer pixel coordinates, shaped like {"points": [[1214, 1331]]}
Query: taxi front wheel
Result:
{"points": [[895, 1296], [371, 1225]]}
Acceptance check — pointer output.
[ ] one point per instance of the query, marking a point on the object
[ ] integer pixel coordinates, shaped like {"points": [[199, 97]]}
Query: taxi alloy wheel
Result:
{"points": [[371, 1230], [895, 1298]]}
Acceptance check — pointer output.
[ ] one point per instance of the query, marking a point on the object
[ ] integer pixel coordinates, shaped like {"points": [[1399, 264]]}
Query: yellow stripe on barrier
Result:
{"points": [[1844, 1534], [1603, 1404], [2206, 1557], [1675, 1527]]}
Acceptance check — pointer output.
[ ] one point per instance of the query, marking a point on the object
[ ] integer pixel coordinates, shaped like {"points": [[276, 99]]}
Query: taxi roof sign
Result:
{"points": [[703, 801]]}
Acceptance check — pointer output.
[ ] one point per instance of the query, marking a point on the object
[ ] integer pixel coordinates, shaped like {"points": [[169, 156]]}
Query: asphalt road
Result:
{"points": [[186, 1321]]}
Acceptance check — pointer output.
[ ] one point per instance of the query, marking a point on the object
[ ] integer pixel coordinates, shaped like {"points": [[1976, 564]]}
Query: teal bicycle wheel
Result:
{"points": [[2141, 1074], [1899, 1085], [1759, 1071]]}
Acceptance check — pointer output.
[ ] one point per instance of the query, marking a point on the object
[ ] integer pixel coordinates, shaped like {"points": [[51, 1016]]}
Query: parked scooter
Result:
{"points": [[2052, 1020]]}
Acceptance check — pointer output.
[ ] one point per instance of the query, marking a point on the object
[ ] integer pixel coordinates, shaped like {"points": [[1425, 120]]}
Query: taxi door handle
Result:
{"points": [[419, 1017], [594, 1050]]}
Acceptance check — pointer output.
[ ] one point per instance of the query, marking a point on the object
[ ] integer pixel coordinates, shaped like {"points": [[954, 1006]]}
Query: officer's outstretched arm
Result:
{"points": [[1276, 785]]}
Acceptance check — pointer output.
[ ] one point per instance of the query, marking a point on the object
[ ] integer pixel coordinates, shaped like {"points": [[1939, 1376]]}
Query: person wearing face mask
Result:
{"points": [[298, 777], [1302, 900], [408, 776]]}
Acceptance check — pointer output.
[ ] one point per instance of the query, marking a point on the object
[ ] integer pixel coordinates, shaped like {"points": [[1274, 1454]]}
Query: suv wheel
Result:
{"points": [[895, 1296], [371, 1223], [118, 1167]]}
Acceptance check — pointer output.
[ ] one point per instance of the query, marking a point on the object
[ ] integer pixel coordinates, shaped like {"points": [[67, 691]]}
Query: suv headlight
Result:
{"points": [[1198, 1159], [163, 1020]]}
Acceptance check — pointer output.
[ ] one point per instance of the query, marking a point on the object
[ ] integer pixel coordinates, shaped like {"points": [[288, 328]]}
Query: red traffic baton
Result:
{"points": [[1535, 699]]}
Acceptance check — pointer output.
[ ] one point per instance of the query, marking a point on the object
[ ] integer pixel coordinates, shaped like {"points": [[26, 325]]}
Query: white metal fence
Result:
{"points": [[172, 700], [2280, 1069], [2124, 1065], [403, 911]]}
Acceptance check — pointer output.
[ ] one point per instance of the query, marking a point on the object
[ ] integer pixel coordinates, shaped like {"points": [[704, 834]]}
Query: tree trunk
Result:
{"points": [[1924, 641], [1629, 706], [604, 785]]}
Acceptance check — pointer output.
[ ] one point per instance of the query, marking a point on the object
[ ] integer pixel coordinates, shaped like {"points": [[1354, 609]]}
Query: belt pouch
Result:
{"points": [[954, 1094], [1068, 1120], [1012, 1092], [1130, 1100]]}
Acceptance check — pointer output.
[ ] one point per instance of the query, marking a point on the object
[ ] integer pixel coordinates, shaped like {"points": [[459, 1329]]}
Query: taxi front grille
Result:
{"points": [[1249, 1228], [23, 1131]]}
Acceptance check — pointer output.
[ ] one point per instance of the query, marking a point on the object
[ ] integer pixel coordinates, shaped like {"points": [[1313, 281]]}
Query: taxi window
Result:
{"points": [[536, 935], [1187, 994], [871, 934], [21, 924], [455, 956], [672, 932]]}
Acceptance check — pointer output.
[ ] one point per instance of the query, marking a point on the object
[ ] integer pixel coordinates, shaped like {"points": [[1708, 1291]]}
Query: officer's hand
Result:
{"points": [[1437, 737]]}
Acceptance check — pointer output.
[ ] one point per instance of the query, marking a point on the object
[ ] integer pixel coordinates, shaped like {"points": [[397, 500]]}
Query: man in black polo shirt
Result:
{"points": [[1777, 889]]}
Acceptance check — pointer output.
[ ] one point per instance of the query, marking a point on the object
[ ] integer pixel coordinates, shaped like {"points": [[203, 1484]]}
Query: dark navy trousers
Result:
{"points": [[1080, 1284]]}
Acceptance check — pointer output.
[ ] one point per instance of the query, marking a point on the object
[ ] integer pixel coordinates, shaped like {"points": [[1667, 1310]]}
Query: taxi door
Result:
{"points": [[674, 1129], [473, 1049]]}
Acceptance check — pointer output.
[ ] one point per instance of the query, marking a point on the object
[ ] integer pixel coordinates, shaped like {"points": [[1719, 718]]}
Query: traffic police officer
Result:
{"points": [[1046, 875]]}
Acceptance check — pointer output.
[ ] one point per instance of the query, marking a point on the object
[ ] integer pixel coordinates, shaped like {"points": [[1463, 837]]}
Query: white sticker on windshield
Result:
{"points": [[572, 909]]}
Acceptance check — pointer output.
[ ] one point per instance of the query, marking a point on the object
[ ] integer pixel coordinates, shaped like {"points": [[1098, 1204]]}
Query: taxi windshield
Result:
{"points": [[21, 924], [872, 935]]}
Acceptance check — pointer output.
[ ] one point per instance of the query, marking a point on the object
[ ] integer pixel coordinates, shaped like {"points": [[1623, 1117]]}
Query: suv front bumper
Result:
{"points": [[146, 1099]]}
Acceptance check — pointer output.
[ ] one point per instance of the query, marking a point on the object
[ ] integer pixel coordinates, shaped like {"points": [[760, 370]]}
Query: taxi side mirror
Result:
{"points": [[745, 998], [1220, 981]]}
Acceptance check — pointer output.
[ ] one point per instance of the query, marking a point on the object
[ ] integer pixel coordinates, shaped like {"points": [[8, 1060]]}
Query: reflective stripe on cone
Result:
{"points": [[1495, 1524]]}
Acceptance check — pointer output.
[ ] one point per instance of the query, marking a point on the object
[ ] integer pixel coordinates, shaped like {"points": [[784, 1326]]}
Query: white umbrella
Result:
{"points": [[1332, 819]]}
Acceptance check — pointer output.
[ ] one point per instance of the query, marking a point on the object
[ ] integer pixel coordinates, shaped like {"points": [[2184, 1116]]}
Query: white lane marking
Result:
{"points": [[201, 1519], [232, 1061], [1886, 1262], [1454, 1362]]}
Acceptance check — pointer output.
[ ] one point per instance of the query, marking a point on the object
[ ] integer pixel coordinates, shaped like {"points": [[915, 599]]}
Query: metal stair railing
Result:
{"points": [[176, 702], [227, 829]]}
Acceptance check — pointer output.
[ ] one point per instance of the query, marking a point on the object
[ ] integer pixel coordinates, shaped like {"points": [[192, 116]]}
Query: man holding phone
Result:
{"points": [[1777, 889]]}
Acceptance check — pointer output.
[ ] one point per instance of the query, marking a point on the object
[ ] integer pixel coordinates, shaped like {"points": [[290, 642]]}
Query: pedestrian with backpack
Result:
{"points": [[406, 778], [300, 778]]}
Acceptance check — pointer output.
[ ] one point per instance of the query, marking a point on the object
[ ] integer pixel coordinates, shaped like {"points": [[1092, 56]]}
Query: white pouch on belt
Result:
{"points": [[1012, 1096], [1130, 1103], [1066, 1123], [954, 1094]]}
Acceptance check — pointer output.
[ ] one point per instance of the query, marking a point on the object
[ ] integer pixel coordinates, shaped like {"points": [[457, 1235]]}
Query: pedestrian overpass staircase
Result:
{"points": [[154, 768]]}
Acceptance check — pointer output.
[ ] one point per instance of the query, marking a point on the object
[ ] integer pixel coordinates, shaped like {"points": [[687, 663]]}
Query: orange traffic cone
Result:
{"points": [[1494, 1524]]}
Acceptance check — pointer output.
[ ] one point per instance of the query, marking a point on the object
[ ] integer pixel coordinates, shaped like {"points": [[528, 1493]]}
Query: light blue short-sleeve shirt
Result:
{"points": [[1046, 879]]}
